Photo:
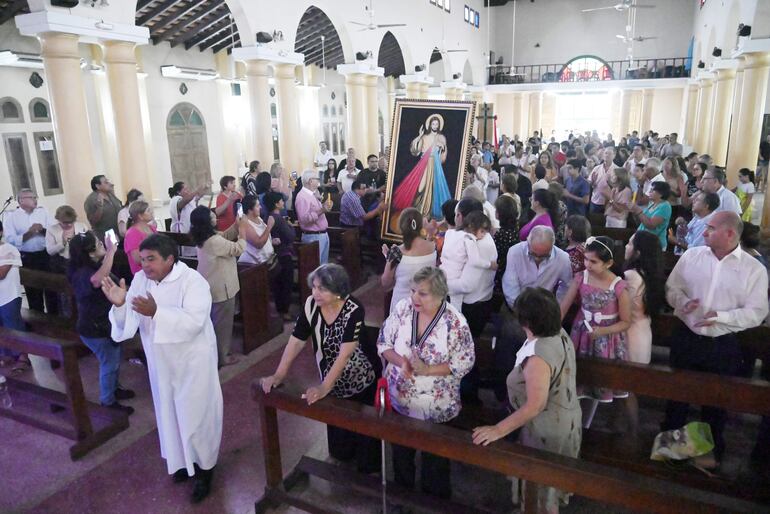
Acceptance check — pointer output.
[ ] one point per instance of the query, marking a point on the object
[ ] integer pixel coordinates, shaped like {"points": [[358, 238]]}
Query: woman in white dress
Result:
{"points": [[404, 260]]}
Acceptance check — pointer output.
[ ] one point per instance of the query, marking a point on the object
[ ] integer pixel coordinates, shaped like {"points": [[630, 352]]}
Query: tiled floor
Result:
{"points": [[127, 475]]}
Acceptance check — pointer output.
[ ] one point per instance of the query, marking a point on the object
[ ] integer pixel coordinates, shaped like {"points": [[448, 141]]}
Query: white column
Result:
{"points": [[120, 59]]}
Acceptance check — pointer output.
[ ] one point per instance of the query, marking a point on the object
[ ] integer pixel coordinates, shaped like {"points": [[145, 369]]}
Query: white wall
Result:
{"points": [[667, 107], [14, 82], [563, 32]]}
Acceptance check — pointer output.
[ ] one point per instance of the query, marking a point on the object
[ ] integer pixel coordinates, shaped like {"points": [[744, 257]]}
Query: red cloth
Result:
{"points": [[407, 189], [227, 218]]}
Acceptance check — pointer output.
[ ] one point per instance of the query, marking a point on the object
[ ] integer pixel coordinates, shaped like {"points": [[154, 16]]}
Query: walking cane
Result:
{"points": [[382, 404]]}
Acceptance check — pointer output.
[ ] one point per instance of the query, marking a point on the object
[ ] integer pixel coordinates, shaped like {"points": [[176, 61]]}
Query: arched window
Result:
{"points": [[585, 68], [10, 111], [38, 110]]}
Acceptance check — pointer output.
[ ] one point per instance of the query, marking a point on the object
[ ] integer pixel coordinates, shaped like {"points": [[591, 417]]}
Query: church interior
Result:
{"points": [[169, 108]]}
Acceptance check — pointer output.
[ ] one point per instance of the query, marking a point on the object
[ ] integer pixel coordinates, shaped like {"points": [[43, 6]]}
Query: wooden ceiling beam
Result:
{"points": [[218, 39], [201, 27], [173, 33], [226, 44], [203, 36], [176, 15], [155, 11], [12, 9]]}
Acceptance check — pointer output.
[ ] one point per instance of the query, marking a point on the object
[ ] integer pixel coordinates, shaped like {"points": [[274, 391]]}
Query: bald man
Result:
{"points": [[716, 290], [536, 262]]}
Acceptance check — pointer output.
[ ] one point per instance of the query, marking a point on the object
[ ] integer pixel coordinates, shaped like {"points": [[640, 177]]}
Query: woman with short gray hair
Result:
{"points": [[428, 348], [333, 319]]}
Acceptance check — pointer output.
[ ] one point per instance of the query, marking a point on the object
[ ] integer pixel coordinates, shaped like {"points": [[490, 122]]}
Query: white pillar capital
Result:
{"points": [[89, 30], [269, 54], [366, 68]]}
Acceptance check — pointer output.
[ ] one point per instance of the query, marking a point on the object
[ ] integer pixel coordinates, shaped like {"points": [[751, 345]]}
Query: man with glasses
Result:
{"points": [[311, 214], [535, 262], [713, 182], [102, 206], [25, 229]]}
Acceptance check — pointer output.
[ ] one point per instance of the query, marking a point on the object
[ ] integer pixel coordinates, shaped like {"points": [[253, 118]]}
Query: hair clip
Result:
{"points": [[414, 224], [593, 239]]}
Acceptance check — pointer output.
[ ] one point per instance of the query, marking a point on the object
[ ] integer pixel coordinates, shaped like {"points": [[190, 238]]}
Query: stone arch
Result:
{"points": [[468, 72], [314, 24], [439, 66], [10, 110], [39, 110], [712, 42], [391, 57], [729, 38]]}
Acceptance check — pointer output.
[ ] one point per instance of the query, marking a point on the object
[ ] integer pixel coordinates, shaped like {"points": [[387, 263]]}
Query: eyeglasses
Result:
{"points": [[28, 198]]}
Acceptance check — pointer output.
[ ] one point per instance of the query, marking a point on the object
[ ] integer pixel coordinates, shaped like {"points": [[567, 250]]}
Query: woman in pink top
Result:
{"points": [[140, 216], [618, 199], [546, 210]]}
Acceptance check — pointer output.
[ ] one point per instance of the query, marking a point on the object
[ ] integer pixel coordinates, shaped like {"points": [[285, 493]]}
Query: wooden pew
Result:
{"points": [[347, 242], [89, 424], [259, 324], [618, 234], [539, 468], [182, 240], [50, 325], [308, 260], [730, 393]]}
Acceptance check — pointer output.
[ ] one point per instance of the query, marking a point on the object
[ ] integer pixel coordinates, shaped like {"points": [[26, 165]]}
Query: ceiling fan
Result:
{"points": [[624, 5], [627, 39], [371, 25]]}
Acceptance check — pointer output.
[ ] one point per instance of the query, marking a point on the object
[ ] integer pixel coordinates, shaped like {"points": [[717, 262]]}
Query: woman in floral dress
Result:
{"points": [[428, 348]]}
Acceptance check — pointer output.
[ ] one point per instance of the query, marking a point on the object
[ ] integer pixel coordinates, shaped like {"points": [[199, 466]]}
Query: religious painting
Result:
{"points": [[429, 153]]}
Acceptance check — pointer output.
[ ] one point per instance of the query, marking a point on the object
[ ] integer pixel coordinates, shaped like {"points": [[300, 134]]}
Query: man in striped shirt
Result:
{"points": [[352, 213]]}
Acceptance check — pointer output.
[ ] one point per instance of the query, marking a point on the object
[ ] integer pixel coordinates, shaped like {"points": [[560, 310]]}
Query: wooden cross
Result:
{"points": [[485, 115]]}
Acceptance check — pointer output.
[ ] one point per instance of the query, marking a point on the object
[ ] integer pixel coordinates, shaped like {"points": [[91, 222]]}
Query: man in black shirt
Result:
{"points": [[373, 177]]}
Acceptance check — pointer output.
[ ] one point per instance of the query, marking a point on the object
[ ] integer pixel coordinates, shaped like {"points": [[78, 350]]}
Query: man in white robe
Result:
{"points": [[170, 305]]}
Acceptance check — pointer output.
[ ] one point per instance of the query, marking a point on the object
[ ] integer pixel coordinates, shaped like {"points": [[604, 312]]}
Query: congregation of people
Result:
{"points": [[513, 258]]}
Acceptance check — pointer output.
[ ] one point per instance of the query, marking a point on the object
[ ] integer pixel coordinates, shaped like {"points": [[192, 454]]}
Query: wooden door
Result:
{"points": [[188, 146]]}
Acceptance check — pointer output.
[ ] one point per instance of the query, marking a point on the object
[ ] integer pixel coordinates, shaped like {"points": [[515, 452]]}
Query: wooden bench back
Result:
{"points": [[538, 467], [258, 324], [730, 393], [308, 260], [56, 282]]}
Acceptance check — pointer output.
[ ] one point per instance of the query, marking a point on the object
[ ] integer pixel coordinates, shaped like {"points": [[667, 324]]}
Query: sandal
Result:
{"points": [[21, 366]]}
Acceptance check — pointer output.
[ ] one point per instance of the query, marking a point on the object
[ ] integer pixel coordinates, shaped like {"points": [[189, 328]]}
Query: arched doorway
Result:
{"points": [[188, 145]]}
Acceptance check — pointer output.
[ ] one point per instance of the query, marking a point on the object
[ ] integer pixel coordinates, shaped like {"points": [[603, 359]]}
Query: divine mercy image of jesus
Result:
{"points": [[425, 187], [428, 154]]}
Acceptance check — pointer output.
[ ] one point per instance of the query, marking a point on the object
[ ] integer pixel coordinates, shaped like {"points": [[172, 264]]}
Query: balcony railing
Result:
{"points": [[672, 67]]}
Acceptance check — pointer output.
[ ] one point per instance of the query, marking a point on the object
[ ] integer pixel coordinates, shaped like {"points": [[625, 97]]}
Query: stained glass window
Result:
{"points": [[585, 69]]}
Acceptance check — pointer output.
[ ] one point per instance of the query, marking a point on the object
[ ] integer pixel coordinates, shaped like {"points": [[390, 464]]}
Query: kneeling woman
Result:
{"points": [[429, 348], [334, 319], [541, 388]]}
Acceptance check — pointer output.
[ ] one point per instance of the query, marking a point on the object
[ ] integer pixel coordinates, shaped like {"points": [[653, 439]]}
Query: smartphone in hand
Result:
{"points": [[111, 236]]}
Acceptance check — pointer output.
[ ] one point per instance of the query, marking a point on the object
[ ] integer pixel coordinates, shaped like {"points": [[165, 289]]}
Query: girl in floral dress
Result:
{"points": [[599, 329]]}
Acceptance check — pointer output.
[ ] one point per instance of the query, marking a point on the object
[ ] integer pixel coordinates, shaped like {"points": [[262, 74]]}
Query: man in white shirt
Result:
{"points": [[347, 176], [169, 304], [716, 290], [479, 177], [322, 156], [25, 229], [712, 182]]}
